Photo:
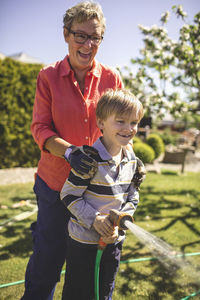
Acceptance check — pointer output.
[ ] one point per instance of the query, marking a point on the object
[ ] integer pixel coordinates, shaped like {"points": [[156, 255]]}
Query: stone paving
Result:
{"points": [[17, 175], [23, 175]]}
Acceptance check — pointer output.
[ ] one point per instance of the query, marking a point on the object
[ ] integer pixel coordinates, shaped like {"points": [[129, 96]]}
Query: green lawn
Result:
{"points": [[169, 208]]}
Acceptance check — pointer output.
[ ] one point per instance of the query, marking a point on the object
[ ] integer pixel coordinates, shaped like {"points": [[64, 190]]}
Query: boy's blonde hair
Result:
{"points": [[84, 11], [119, 102]]}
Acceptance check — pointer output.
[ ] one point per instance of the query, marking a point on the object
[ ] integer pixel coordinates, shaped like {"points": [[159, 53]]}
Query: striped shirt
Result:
{"points": [[110, 188]]}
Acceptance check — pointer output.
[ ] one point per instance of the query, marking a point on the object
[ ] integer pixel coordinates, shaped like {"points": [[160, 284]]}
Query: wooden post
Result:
{"points": [[183, 162]]}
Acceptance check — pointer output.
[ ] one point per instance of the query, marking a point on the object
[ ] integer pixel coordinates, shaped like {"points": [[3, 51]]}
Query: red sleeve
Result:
{"points": [[42, 123]]}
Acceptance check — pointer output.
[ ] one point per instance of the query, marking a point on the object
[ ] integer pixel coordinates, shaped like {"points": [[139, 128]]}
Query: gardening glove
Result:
{"points": [[82, 159], [140, 174]]}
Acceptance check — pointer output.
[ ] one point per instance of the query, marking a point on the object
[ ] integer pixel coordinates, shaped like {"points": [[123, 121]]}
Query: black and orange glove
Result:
{"points": [[140, 173], [82, 159]]}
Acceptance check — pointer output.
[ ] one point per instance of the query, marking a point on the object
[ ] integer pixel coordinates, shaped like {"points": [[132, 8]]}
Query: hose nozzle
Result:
{"points": [[119, 218]]}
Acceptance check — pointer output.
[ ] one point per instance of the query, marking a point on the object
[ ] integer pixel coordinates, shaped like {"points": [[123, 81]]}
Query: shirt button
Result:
{"points": [[86, 120], [86, 137], [86, 88]]}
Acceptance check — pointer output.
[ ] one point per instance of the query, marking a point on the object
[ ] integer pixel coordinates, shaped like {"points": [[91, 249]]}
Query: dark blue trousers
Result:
{"points": [[49, 244], [79, 276]]}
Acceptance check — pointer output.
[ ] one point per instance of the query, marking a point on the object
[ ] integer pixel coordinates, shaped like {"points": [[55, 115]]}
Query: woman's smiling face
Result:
{"points": [[81, 56]]}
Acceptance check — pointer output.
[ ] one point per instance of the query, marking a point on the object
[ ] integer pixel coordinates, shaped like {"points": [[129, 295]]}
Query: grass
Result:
{"points": [[169, 208]]}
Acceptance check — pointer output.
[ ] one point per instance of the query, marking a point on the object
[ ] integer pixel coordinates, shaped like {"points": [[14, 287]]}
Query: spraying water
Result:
{"points": [[170, 258]]}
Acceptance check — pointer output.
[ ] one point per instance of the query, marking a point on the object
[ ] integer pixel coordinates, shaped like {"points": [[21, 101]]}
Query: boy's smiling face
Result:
{"points": [[118, 131]]}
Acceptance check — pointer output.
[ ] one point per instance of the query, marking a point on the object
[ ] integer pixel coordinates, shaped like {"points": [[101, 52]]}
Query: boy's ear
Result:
{"points": [[100, 124]]}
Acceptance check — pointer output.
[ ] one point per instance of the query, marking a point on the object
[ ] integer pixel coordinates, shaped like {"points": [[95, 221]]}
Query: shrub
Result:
{"points": [[17, 92], [156, 143], [144, 152], [169, 137], [136, 139]]}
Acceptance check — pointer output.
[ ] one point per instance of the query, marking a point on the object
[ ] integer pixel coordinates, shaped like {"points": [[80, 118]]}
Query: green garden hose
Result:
{"points": [[98, 259], [96, 273], [191, 295], [100, 249]]}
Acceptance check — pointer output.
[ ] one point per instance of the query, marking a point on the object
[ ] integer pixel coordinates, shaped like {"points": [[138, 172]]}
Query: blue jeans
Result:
{"points": [[49, 244], [79, 276]]}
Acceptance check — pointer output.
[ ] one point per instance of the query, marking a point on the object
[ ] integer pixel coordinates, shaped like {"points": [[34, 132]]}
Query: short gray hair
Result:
{"points": [[84, 11]]}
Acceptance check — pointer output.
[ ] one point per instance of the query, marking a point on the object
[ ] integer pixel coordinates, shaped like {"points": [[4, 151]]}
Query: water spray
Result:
{"points": [[163, 251], [170, 258]]}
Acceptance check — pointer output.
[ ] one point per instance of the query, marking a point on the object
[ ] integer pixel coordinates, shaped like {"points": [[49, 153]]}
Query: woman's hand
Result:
{"points": [[82, 159]]}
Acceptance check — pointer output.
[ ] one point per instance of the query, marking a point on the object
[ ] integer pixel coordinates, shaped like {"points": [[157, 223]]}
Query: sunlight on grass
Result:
{"points": [[169, 208]]}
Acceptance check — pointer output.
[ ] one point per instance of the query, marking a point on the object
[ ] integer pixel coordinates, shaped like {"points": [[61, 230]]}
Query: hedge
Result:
{"points": [[17, 91]]}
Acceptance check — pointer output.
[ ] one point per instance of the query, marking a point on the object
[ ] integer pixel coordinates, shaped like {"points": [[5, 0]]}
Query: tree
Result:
{"points": [[167, 77]]}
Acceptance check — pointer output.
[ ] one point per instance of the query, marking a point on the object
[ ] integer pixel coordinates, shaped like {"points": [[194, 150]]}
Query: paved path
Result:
{"points": [[17, 175], [157, 167], [23, 175]]}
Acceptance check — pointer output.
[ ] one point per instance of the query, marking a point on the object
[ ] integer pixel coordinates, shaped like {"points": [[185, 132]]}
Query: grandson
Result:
{"points": [[89, 200]]}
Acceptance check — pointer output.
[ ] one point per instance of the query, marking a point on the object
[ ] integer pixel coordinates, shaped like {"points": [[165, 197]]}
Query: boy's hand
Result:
{"points": [[103, 226], [112, 238]]}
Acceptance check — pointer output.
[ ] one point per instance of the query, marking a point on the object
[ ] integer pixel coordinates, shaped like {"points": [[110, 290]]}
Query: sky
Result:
{"points": [[36, 27]]}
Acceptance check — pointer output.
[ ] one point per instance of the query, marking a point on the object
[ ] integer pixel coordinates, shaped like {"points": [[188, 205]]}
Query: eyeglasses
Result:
{"points": [[81, 38]]}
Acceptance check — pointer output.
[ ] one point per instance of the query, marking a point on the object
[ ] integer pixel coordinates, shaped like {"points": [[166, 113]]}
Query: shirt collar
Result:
{"points": [[66, 68], [105, 155], [129, 154]]}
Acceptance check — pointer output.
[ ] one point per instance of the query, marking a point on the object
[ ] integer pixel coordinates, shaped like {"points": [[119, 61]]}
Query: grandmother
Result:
{"points": [[64, 120]]}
